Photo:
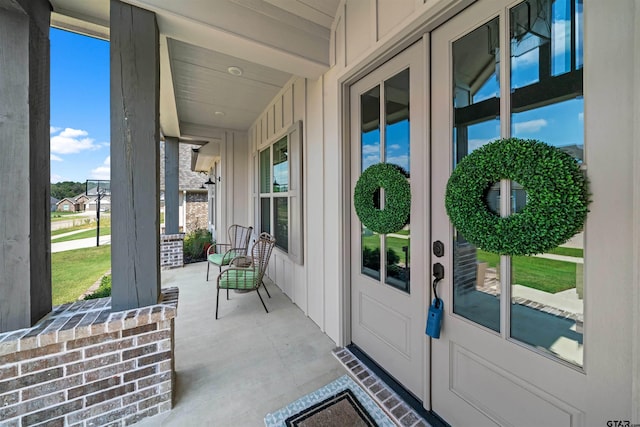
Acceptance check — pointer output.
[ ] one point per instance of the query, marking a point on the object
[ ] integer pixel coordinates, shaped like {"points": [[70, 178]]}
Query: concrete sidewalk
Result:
{"points": [[71, 233], [89, 242]]}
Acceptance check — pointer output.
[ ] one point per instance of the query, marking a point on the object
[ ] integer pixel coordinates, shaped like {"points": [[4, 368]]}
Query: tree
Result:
{"points": [[70, 189]]}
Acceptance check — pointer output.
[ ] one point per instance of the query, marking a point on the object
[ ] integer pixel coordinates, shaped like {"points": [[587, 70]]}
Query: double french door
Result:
{"points": [[523, 340]]}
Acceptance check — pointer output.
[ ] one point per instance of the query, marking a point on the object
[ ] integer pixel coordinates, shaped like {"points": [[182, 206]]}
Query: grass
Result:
{"points": [[73, 272], [537, 273], [104, 223], [104, 231], [394, 243], [58, 214], [575, 252]]}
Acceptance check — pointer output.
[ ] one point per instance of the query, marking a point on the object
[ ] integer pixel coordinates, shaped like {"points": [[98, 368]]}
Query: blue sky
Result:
{"points": [[80, 132]]}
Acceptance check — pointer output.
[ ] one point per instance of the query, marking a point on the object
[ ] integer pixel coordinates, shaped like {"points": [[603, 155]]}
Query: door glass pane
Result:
{"points": [[370, 253], [396, 121], [265, 171], [370, 155], [265, 215], [397, 142], [547, 309], [370, 135], [281, 222], [280, 166], [476, 288], [397, 245]]}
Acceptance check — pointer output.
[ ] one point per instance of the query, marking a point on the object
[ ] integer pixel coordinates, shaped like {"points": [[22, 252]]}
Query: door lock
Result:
{"points": [[438, 248]]}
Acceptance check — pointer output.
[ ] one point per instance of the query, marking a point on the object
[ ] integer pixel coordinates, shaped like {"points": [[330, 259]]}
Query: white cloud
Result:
{"points": [[56, 178], [394, 147], [73, 133], [53, 129], [477, 143], [71, 141], [104, 171], [402, 161], [370, 149], [581, 117], [529, 127], [525, 59], [56, 158]]}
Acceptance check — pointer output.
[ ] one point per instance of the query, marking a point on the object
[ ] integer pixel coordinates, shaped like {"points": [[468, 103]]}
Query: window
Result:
{"points": [[274, 186], [545, 93], [278, 203]]}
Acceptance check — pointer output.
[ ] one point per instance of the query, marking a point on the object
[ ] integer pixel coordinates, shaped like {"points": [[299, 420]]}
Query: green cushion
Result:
{"points": [[238, 279], [225, 258], [217, 259]]}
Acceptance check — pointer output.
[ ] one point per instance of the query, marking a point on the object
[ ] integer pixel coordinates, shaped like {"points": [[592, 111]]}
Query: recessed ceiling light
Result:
{"points": [[219, 113], [235, 71]]}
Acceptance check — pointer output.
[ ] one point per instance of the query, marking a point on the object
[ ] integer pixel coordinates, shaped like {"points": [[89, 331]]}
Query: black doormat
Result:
{"points": [[339, 403], [343, 409]]}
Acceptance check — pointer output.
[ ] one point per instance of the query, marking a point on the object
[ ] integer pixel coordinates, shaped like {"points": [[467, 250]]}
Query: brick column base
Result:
{"points": [[86, 365], [171, 251]]}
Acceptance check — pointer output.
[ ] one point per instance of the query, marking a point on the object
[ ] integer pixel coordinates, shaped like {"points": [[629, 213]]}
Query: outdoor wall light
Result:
{"points": [[209, 182]]}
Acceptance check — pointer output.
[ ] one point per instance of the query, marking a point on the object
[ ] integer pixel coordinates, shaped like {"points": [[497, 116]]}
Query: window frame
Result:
{"points": [[294, 247]]}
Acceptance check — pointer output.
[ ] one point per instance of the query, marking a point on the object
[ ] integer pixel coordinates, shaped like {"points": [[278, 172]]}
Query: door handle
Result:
{"points": [[438, 274]]}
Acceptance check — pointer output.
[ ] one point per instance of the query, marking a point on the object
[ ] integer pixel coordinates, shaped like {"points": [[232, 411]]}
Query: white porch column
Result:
{"points": [[25, 249], [171, 183], [135, 136]]}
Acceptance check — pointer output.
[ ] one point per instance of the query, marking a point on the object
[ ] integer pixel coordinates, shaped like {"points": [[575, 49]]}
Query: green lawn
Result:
{"points": [[104, 231], [104, 223], [538, 273], [393, 243], [579, 253], [72, 272]]}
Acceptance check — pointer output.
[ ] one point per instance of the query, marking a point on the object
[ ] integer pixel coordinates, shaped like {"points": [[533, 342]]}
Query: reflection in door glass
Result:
{"points": [[370, 155], [546, 100], [476, 286], [396, 148], [370, 134]]}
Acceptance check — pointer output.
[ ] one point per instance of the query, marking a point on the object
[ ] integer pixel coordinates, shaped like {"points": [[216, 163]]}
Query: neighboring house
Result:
{"points": [[193, 210], [79, 203], [66, 205], [54, 204], [105, 203]]}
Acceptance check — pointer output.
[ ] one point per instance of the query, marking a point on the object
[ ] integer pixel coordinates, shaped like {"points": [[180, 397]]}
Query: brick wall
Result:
{"points": [[171, 250], [84, 365], [197, 210], [465, 268]]}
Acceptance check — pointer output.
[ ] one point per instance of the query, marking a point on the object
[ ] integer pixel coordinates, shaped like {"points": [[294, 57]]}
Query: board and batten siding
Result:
{"points": [[360, 30]]}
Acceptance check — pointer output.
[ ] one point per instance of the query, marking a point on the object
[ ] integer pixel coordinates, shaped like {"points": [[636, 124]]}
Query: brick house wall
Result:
{"points": [[197, 211]]}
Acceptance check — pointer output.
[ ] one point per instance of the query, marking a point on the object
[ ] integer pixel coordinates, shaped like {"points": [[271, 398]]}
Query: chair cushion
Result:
{"points": [[223, 259], [238, 279]]}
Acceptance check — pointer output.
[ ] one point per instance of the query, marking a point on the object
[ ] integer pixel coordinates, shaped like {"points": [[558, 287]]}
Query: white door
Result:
{"points": [[512, 350], [388, 270]]}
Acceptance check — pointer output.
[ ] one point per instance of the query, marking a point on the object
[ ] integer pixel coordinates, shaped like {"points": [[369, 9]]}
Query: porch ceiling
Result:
{"points": [[269, 40]]}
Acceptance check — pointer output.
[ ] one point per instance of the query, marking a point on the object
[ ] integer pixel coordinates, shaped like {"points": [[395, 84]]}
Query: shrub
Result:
{"points": [[195, 242], [103, 291]]}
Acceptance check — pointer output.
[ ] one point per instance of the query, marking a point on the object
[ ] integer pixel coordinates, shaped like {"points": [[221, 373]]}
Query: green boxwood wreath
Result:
{"points": [[397, 206], [557, 197]]}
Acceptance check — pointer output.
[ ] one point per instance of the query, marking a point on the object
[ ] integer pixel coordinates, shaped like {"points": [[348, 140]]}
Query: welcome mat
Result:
{"points": [[339, 403]]}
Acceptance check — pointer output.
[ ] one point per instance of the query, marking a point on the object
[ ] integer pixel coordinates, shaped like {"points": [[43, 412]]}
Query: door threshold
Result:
{"points": [[404, 408]]}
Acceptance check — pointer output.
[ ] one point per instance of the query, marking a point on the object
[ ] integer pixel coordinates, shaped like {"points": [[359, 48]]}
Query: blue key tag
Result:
{"points": [[434, 318]]}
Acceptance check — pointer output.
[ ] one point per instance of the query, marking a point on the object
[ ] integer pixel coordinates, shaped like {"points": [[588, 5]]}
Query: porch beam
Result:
{"points": [[25, 245], [135, 164], [171, 184]]}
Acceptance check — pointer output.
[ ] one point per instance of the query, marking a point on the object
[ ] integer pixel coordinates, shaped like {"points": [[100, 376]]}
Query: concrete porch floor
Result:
{"points": [[234, 370]]}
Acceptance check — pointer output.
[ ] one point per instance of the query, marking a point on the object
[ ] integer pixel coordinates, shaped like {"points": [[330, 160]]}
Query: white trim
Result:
{"points": [[635, 390]]}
